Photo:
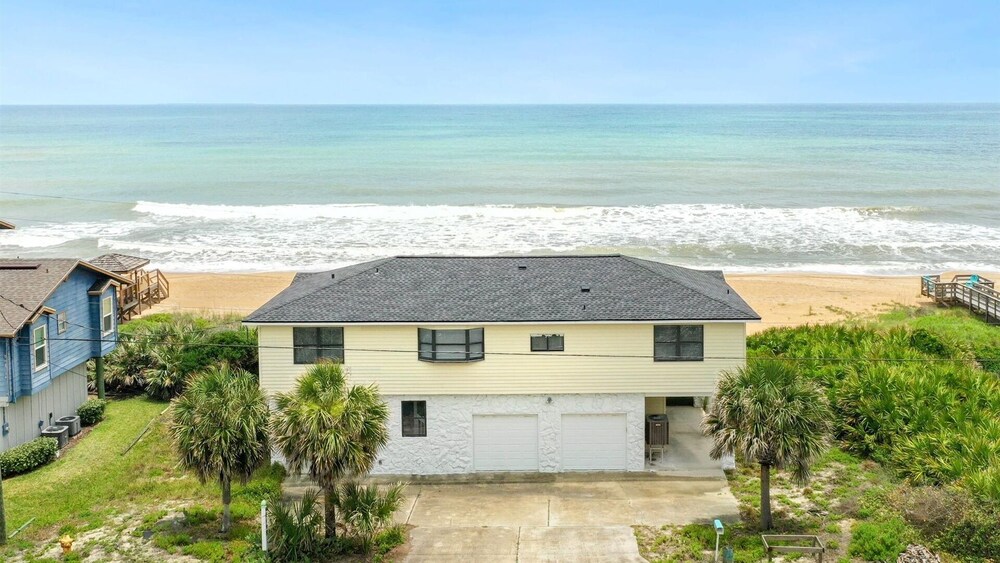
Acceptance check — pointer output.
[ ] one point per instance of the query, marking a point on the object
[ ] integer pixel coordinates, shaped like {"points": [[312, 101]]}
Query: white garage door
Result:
{"points": [[505, 442], [594, 442]]}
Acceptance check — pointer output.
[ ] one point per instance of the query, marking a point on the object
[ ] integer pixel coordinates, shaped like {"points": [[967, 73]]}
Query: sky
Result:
{"points": [[471, 52]]}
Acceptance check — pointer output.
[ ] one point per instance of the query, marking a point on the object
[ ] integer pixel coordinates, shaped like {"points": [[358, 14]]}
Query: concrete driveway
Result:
{"points": [[560, 521]]}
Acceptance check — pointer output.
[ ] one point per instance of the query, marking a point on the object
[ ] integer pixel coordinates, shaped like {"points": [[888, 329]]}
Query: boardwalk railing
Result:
{"points": [[976, 293], [148, 288]]}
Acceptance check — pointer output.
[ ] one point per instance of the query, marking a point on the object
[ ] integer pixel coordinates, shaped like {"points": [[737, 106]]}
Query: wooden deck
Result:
{"points": [[976, 293], [148, 288]]}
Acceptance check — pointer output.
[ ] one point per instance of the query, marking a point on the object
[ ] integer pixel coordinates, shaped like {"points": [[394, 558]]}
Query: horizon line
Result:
{"points": [[497, 104]]}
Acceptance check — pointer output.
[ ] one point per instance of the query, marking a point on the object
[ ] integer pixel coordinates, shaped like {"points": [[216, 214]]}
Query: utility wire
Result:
{"points": [[127, 341]]}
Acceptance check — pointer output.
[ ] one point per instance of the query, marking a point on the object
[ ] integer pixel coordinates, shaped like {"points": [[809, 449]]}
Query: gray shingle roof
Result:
{"points": [[26, 284], [506, 289], [119, 263]]}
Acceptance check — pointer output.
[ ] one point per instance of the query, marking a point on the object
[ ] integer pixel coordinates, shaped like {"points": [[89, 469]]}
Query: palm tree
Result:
{"points": [[220, 428], [333, 431], [768, 413]]}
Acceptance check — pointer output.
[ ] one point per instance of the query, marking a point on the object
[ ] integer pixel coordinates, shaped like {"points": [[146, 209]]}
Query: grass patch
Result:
{"points": [[93, 485]]}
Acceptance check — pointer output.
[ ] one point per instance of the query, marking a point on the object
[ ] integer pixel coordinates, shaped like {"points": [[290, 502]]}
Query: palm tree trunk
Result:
{"points": [[765, 496], [330, 511], [226, 498]]}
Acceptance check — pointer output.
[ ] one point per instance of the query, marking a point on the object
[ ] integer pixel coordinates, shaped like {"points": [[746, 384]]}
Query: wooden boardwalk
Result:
{"points": [[976, 293], [148, 288]]}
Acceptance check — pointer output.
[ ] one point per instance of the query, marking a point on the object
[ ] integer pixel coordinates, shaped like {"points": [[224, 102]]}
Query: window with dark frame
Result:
{"points": [[463, 345], [678, 343], [547, 343], [414, 419], [312, 344]]}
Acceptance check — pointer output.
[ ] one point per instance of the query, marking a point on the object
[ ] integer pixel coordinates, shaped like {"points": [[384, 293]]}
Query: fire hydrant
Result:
{"points": [[66, 543]]}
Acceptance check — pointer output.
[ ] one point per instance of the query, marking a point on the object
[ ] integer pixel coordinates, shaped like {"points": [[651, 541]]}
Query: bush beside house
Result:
{"points": [[92, 411], [28, 456]]}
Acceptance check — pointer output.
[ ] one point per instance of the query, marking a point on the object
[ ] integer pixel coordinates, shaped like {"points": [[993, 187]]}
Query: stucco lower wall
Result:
{"points": [[447, 448], [61, 398]]}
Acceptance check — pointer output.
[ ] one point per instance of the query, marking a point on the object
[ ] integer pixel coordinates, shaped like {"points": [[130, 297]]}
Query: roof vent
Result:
{"points": [[522, 267], [333, 276], [585, 289]]}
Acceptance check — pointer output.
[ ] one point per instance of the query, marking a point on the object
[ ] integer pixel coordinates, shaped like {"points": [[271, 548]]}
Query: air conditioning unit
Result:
{"points": [[657, 430], [60, 433], [71, 422]]}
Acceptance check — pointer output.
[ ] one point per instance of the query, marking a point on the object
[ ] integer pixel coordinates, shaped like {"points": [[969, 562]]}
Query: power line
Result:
{"points": [[128, 341], [72, 198]]}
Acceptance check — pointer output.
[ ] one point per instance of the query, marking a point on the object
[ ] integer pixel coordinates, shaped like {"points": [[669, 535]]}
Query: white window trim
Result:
{"points": [[44, 346], [110, 313], [62, 322]]}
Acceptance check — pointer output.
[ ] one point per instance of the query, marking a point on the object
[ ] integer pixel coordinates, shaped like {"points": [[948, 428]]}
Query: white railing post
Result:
{"points": [[263, 526]]}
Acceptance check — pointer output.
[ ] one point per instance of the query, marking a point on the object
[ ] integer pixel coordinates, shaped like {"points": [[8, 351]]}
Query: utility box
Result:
{"points": [[60, 433], [71, 422], [657, 430]]}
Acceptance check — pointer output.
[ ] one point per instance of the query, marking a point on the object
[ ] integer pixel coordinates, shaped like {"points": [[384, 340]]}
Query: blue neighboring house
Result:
{"points": [[55, 315]]}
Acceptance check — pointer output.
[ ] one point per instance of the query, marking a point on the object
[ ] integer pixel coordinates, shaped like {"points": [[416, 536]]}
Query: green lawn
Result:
{"points": [[94, 485]]}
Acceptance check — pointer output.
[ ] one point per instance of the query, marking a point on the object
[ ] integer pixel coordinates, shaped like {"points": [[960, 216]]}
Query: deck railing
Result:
{"points": [[977, 293]]}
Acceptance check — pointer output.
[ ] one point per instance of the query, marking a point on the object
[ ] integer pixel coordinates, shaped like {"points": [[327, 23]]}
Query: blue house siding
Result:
{"points": [[81, 340]]}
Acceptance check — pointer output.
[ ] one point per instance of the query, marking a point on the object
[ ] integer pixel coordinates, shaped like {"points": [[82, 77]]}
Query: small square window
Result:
{"points": [[62, 324], [546, 343], [414, 418], [313, 344], [673, 343]]}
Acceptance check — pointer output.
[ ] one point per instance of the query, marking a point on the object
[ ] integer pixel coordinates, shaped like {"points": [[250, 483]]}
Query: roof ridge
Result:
{"points": [[503, 256], [372, 264], [637, 261]]}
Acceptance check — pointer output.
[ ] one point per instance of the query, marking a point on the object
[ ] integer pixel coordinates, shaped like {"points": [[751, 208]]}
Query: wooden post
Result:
{"points": [[99, 377]]}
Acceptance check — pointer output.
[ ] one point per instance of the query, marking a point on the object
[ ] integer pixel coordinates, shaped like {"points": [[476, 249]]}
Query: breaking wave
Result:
{"points": [[190, 237]]}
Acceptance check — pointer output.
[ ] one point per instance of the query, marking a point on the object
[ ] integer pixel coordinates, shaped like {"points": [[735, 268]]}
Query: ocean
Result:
{"points": [[876, 189]]}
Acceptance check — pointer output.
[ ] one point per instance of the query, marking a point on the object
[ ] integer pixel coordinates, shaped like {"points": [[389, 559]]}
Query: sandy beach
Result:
{"points": [[781, 299]]}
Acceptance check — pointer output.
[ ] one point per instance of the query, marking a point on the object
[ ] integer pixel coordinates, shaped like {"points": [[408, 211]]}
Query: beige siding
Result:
{"points": [[387, 355]]}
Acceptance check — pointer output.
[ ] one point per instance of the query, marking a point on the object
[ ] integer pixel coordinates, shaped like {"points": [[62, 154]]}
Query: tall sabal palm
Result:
{"points": [[768, 413], [330, 429], [220, 428]]}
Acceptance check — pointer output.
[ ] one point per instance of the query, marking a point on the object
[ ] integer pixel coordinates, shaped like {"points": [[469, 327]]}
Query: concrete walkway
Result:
{"points": [[563, 521]]}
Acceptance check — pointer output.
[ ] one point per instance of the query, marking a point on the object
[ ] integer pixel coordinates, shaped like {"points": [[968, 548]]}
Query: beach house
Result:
{"points": [[55, 315], [530, 363]]}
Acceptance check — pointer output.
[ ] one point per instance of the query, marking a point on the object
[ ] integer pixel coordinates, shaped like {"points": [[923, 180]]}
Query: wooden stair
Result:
{"points": [[149, 287]]}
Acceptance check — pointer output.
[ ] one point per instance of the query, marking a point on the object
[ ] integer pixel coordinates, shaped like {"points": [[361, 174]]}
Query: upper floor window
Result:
{"points": [[62, 322], [450, 345], [40, 346], [414, 418], [546, 343], [312, 344], [678, 343], [107, 315]]}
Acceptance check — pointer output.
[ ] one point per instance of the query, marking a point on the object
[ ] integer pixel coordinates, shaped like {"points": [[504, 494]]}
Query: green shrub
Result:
{"points": [[125, 366], [389, 539], [878, 541], [366, 510], [92, 411], [28, 456], [974, 534], [237, 347], [295, 529]]}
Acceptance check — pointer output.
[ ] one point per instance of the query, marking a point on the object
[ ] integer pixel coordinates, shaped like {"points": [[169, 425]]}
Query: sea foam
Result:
{"points": [[198, 237]]}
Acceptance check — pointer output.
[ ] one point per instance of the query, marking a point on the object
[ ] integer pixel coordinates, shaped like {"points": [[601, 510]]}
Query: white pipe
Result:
{"points": [[263, 526]]}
